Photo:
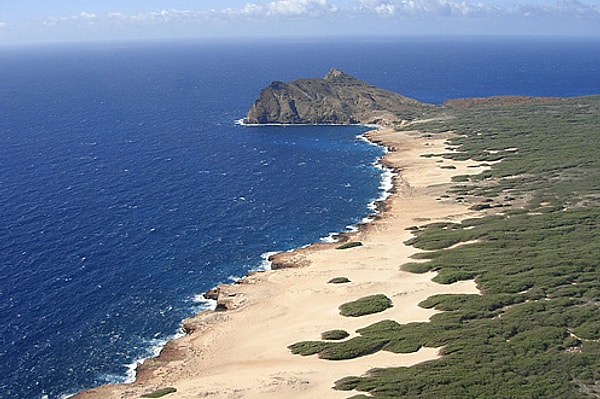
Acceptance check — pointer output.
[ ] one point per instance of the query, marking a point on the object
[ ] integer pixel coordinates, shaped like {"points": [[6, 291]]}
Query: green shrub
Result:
{"points": [[351, 349], [160, 393], [460, 178], [423, 267], [367, 305], [351, 244], [339, 280], [334, 335], [307, 348], [348, 384]]}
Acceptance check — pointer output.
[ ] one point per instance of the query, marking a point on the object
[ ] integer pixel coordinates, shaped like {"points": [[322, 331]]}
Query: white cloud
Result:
{"points": [[162, 16], [152, 17], [283, 8], [300, 7], [279, 10], [464, 8], [424, 7], [561, 9], [273, 9], [87, 15], [84, 17]]}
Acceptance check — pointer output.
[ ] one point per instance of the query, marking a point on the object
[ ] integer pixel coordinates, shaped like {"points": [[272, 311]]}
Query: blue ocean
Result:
{"points": [[127, 188]]}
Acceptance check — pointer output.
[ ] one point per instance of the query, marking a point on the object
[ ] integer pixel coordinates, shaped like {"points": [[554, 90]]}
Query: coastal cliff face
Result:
{"points": [[338, 98]]}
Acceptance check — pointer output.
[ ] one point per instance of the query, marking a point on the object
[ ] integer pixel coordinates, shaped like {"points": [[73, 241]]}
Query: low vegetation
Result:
{"points": [[335, 335], [350, 244], [367, 305], [535, 330], [339, 280], [160, 393], [344, 350]]}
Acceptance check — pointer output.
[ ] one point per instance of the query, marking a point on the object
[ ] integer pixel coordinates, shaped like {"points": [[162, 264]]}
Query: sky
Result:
{"points": [[29, 21]]}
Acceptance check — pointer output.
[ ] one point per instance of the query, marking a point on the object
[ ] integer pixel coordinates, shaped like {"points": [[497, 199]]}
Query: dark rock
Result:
{"points": [[338, 98], [189, 326], [221, 307], [212, 294]]}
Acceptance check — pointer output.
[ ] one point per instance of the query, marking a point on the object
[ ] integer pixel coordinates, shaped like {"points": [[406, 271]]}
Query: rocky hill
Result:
{"points": [[338, 98]]}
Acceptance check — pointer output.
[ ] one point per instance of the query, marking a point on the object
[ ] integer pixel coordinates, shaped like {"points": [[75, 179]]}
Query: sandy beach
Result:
{"points": [[242, 352]]}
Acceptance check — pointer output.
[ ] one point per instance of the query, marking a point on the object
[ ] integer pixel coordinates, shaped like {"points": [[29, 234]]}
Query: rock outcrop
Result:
{"points": [[338, 98]]}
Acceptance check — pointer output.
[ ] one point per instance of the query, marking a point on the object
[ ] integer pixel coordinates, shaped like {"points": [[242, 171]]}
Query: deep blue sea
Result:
{"points": [[127, 188]]}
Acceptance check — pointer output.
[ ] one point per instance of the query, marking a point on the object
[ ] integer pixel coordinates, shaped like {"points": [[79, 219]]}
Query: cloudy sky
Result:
{"points": [[27, 21]]}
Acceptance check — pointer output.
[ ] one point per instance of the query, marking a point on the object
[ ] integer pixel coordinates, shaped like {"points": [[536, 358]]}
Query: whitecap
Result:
{"points": [[352, 228], [154, 347], [330, 238], [243, 122], [265, 263], [201, 303]]}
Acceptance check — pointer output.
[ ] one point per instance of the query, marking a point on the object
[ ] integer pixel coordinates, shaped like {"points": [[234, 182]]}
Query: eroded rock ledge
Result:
{"points": [[338, 98]]}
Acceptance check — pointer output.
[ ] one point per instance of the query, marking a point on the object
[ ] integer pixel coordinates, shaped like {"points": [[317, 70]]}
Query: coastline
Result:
{"points": [[242, 352]]}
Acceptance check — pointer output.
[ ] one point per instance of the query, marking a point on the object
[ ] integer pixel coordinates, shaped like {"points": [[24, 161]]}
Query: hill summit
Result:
{"points": [[338, 98]]}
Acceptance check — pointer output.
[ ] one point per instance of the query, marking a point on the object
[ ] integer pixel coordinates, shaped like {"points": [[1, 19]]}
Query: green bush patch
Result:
{"points": [[339, 280], [351, 349], [334, 335], [367, 305], [351, 244], [160, 393], [308, 348]]}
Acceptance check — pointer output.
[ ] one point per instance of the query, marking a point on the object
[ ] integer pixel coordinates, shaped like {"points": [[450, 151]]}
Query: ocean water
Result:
{"points": [[127, 188]]}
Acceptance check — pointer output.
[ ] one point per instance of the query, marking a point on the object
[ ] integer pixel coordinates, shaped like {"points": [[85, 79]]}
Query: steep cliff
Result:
{"points": [[338, 98]]}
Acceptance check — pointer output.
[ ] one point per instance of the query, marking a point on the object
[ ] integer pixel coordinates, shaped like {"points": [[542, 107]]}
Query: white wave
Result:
{"points": [[131, 372], [387, 181], [385, 186], [353, 228], [201, 303], [335, 236], [387, 175], [242, 122], [367, 219], [330, 238], [265, 263], [155, 346], [373, 126], [364, 138]]}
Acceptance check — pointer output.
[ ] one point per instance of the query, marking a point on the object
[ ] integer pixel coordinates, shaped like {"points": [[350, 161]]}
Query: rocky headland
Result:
{"points": [[338, 98]]}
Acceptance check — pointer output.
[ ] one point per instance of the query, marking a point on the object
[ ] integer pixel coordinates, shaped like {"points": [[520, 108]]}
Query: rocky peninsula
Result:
{"points": [[338, 98]]}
